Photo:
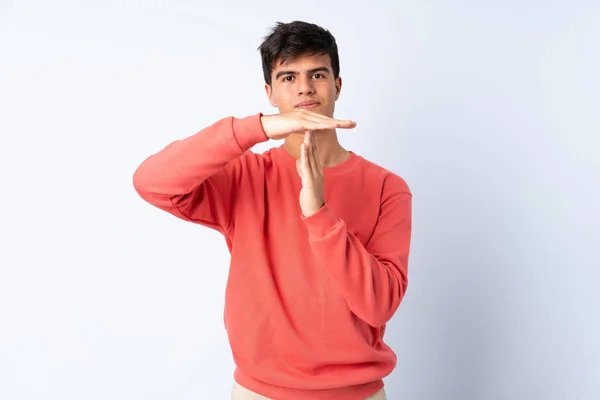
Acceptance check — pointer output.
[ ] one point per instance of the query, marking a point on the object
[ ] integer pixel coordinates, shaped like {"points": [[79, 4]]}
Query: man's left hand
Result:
{"points": [[310, 170]]}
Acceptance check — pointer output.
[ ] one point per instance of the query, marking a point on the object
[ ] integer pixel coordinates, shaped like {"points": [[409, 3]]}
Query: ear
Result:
{"points": [[338, 87], [270, 95]]}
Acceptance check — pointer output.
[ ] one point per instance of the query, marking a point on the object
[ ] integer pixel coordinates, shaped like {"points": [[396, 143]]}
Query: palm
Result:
{"points": [[309, 168], [280, 126]]}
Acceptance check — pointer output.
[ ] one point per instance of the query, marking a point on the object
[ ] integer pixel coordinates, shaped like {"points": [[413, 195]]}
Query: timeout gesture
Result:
{"points": [[280, 126], [309, 168]]}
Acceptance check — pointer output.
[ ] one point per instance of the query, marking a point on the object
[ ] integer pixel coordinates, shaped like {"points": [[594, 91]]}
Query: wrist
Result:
{"points": [[248, 131], [265, 121]]}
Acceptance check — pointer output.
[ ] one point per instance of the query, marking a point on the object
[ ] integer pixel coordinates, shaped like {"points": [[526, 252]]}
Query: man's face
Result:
{"points": [[304, 82]]}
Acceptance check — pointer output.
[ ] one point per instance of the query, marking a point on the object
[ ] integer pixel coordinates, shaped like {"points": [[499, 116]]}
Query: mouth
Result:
{"points": [[307, 104]]}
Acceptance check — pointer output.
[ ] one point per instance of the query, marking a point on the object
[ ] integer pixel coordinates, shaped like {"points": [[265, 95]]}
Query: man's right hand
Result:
{"points": [[280, 126]]}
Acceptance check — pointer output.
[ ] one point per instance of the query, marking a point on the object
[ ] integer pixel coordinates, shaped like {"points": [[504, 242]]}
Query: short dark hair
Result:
{"points": [[289, 40]]}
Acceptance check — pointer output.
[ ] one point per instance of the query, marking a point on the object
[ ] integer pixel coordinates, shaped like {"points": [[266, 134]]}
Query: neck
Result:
{"points": [[330, 150]]}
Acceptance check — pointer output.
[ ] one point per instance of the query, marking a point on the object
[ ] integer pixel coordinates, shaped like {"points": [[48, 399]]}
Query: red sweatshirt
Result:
{"points": [[307, 299]]}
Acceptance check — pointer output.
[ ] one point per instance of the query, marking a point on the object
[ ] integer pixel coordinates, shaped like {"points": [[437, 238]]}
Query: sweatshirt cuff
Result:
{"points": [[321, 223], [249, 131]]}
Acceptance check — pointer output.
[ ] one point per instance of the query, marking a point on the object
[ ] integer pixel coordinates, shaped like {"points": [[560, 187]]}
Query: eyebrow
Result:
{"points": [[310, 71]]}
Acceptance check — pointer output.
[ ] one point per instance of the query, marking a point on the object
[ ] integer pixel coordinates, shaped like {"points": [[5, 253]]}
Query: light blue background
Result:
{"points": [[488, 109]]}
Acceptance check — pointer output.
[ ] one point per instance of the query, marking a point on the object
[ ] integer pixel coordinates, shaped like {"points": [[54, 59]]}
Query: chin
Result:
{"points": [[323, 111]]}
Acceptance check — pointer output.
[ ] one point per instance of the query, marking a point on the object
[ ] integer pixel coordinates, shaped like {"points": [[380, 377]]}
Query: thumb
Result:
{"points": [[299, 167]]}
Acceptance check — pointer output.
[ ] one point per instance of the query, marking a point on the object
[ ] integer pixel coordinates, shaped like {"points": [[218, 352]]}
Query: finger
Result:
{"points": [[314, 156], [318, 125], [309, 141], [320, 121], [313, 116], [305, 166], [330, 121]]}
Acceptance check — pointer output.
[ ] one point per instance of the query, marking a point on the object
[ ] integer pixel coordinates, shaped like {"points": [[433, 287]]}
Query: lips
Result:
{"points": [[307, 104]]}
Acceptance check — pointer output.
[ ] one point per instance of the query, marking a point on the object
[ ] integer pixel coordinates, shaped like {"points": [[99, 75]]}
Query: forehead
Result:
{"points": [[304, 63]]}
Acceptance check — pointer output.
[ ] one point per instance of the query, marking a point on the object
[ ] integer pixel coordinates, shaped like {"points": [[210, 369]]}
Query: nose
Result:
{"points": [[305, 85]]}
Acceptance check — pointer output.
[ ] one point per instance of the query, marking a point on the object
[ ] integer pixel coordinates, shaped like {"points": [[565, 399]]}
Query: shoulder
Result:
{"points": [[391, 183], [253, 161]]}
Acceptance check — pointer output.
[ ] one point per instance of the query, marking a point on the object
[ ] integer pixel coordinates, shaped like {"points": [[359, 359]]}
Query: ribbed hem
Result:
{"points": [[356, 392], [321, 223], [249, 131]]}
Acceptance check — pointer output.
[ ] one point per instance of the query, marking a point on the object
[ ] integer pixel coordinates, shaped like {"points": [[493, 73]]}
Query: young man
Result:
{"points": [[319, 237]]}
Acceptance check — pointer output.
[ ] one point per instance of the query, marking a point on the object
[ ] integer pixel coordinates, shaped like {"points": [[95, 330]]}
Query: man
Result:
{"points": [[319, 237]]}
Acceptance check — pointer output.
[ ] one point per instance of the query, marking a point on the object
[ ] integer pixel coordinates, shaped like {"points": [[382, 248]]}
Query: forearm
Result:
{"points": [[183, 165], [372, 279]]}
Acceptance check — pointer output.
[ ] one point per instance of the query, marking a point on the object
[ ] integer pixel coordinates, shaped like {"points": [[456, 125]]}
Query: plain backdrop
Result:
{"points": [[488, 109]]}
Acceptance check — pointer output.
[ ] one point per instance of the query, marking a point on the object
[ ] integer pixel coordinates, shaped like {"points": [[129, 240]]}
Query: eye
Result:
{"points": [[318, 75], [288, 78]]}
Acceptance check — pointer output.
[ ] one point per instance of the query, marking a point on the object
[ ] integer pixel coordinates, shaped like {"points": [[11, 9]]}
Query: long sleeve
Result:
{"points": [[372, 278], [195, 178]]}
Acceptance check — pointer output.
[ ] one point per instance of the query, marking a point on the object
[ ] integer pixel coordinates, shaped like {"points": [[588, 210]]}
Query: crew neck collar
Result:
{"points": [[345, 166]]}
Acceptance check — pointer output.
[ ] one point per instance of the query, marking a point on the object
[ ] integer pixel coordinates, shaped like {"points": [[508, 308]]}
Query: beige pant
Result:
{"points": [[241, 393]]}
